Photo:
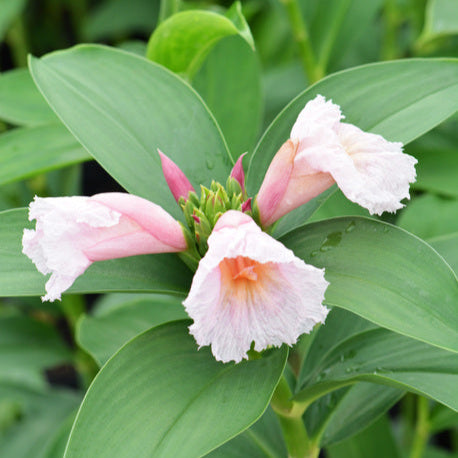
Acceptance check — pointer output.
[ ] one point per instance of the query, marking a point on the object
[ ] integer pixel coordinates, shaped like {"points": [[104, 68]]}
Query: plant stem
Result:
{"points": [[421, 434], [290, 414], [313, 71]]}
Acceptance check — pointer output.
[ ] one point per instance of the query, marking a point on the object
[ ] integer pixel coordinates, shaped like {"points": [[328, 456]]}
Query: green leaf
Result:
{"points": [[437, 159], [263, 439], [122, 108], [377, 441], [441, 19], [343, 413], [336, 24], [36, 428], [9, 9], [182, 41], [171, 395], [27, 151], [375, 355], [27, 348], [230, 83], [21, 102], [400, 100], [19, 276], [442, 418], [108, 328], [383, 274], [447, 246], [429, 216], [118, 18]]}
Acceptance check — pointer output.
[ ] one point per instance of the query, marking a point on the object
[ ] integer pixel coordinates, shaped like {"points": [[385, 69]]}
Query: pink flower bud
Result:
{"points": [[369, 170], [73, 232], [249, 287], [246, 206], [176, 179], [238, 173]]}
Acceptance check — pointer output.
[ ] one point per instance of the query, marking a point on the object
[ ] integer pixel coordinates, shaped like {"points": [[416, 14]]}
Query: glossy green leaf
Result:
{"points": [[122, 108], [230, 83], [20, 101], [172, 395], [400, 100], [447, 246], [27, 151], [376, 355], [9, 9], [40, 419], [152, 273], [263, 439], [182, 41], [343, 413], [429, 216], [383, 274], [109, 327], [377, 441], [27, 348]]}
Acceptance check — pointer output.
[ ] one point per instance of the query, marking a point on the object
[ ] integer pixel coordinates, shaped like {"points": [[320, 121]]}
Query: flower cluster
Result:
{"points": [[249, 291]]}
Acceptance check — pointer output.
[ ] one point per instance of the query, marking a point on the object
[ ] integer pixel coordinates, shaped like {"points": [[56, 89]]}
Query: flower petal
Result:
{"points": [[250, 288], [73, 232]]}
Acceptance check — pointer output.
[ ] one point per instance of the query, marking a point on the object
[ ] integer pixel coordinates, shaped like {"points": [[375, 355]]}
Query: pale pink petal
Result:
{"points": [[369, 170], [318, 114], [73, 232], [175, 178], [249, 287], [383, 171]]}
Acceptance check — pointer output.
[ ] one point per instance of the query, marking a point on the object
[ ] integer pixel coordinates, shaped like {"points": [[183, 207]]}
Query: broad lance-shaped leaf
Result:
{"points": [[230, 83], [400, 100], [263, 439], [182, 41], [122, 108], [160, 396], [117, 318], [345, 412], [27, 151], [376, 355], [19, 276], [383, 274], [21, 102]]}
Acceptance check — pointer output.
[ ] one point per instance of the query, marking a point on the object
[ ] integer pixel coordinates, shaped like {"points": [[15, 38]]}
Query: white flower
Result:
{"points": [[251, 288]]}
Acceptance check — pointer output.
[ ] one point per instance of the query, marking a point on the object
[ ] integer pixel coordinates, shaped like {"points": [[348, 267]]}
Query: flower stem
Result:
{"points": [[313, 71], [290, 414], [421, 434]]}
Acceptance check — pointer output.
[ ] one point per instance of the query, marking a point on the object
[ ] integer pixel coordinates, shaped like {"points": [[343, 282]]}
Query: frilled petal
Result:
{"points": [[251, 288], [369, 170], [73, 232]]}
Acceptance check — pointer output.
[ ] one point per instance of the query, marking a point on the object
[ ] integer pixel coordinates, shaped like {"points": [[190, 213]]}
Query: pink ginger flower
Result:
{"points": [[322, 150], [73, 232], [251, 288]]}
